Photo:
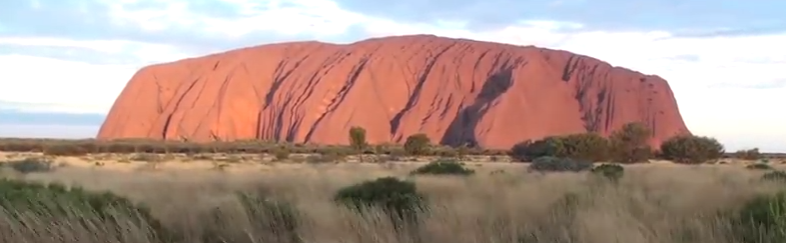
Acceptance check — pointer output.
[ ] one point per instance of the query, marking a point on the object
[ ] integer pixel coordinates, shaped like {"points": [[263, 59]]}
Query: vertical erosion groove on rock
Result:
{"points": [[456, 91]]}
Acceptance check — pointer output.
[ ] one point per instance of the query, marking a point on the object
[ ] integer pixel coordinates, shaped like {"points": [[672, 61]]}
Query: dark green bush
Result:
{"points": [[554, 164], [759, 166], [777, 176], [400, 199], [31, 165], [443, 167], [583, 146], [691, 149], [763, 219], [612, 172], [56, 202], [529, 150]]}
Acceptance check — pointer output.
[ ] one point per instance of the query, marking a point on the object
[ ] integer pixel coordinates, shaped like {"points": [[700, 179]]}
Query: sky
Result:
{"points": [[65, 61]]}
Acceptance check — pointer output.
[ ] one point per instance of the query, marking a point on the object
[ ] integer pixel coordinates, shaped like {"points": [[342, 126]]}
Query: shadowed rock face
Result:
{"points": [[454, 90]]}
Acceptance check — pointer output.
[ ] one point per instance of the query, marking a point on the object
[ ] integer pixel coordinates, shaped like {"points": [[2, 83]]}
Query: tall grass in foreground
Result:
{"points": [[650, 204]]}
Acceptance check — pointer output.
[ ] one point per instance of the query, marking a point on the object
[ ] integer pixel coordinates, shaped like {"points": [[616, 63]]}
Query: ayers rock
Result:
{"points": [[454, 90]]}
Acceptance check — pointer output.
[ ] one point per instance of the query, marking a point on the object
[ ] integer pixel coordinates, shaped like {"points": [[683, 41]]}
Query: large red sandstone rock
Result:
{"points": [[453, 90]]}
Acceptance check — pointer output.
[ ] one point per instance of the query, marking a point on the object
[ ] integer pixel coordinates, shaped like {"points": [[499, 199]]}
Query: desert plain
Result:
{"points": [[195, 195]]}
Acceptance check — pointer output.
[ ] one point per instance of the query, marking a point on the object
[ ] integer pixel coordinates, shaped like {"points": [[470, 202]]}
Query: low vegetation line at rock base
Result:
{"points": [[627, 145], [80, 147]]}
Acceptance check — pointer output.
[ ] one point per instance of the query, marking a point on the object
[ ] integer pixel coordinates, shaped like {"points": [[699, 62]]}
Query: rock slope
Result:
{"points": [[454, 90]]}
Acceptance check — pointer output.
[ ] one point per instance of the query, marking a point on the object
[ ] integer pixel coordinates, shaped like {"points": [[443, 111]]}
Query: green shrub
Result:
{"points": [[56, 202], [400, 199], [629, 144], [612, 172], [554, 164], [417, 144], [759, 166], [583, 146], [529, 150], [31, 165], [777, 176], [691, 149], [763, 219], [443, 167]]}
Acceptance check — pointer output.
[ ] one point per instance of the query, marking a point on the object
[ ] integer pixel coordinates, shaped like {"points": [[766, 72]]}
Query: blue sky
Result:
{"points": [[64, 62]]}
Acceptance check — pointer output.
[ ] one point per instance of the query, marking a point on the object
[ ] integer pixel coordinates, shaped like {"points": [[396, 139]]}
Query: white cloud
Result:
{"points": [[60, 85], [47, 131], [315, 17], [711, 76]]}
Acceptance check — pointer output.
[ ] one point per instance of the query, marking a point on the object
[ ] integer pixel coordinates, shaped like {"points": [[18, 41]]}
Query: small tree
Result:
{"points": [[629, 144], [357, 139], [417, 144], [691, 149]]}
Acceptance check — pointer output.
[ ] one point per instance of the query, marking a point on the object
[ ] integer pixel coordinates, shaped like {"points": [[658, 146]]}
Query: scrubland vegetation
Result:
{"points": [[581, 188]]}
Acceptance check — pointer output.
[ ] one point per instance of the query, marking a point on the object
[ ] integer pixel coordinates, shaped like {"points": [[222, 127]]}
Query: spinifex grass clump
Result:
{"points": [[264, 220], [776, 176], [443, 167], [31, 165], [759, 166], [763, 219], [36, 207], [613, 172], [399, 199], [555, 164], [277, 220]]}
